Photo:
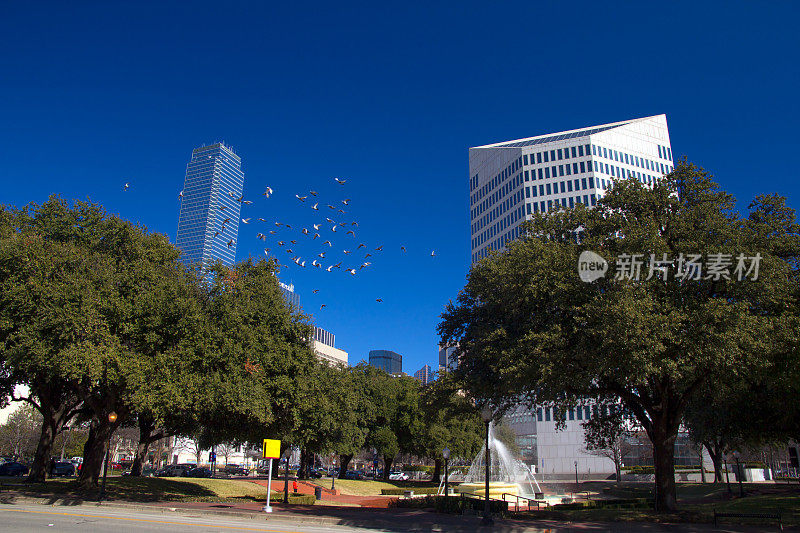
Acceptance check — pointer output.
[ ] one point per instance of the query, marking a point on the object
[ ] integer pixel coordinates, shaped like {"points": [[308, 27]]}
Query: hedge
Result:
{"points": [[451, 504], [294, 499], [618, 503], [417, 490]]}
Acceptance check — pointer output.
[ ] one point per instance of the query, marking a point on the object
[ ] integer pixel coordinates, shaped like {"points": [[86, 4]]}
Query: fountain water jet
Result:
{"points": [[507, 474]]}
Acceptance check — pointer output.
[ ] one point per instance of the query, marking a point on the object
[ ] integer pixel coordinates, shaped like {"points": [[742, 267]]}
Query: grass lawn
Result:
{"points": [[148, 489], [355, 487], [697, 502]]}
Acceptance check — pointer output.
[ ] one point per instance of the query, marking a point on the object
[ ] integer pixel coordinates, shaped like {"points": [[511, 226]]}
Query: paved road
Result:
{"points": [[38, 518]]}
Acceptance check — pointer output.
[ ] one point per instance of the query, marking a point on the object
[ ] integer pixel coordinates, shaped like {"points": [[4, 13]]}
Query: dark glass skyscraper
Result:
{"points": [[208, 226], [389, 361]]}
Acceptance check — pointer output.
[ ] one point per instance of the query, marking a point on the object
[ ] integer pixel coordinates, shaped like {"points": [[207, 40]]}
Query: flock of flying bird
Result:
{"points": [[314, 234]]}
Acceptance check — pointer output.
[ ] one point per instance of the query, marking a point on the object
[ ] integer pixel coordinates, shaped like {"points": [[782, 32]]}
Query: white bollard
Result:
{"points": [[268, 507]]}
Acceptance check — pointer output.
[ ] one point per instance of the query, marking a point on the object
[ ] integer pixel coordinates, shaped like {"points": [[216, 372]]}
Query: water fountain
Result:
{"points": [[507, 474]]}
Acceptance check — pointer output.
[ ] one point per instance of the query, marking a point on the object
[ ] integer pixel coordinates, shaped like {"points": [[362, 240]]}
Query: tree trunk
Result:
{"points": [[344, 462], [44, 449], [618, 468], [715, 452], [94, 452], [387, 466], [437, 471], [302, 472], [663, 439]]}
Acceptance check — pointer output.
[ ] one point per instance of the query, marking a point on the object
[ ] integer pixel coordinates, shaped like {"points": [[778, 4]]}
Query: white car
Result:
{"points": [[398, 476]]}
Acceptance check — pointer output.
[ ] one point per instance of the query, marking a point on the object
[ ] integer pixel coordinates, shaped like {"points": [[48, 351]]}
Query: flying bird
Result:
{"points": [[341, 211], [364, 265], [293, 242], [317, 226], [368, 255], [316, 235], [333, 228], [346, 201], [301, 198], [247, 202], [266, 251], [351, 232], [379, 248], [315, 291], [261, 236], [340, 182], [289, 251], [287, 225], [312, 193], [262, 219], [231, 243], [352, 271], [278, 224], [305, 231], [321, 254], [328, 243], [268, 192], [226, 221], [281, 243], [273, 232], [329, 268], [378, 300], [329, 205], [362, 245], [338, 265], [403, 249], [216, 233], [314, 207], [222, 207], [323, 306], [354, 224], [347, 252], [180, 194], [126, 186], [246, 220]]}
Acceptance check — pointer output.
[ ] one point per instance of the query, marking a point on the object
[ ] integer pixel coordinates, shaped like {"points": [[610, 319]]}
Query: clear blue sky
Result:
{"points": [[96, 94]]}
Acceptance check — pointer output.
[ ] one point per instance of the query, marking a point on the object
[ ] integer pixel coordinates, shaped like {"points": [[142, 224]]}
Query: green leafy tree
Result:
{"points": [[528, 327], [608, 435]]}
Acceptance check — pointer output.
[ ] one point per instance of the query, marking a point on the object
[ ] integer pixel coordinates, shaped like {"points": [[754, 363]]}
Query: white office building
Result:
{"points": [[509, 182]]}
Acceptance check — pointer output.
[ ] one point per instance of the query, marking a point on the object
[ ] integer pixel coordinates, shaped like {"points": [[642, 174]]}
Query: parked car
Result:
{"points": [[62, 468], [353, 474], [173, 471], [12, 468], [236, 470], [398, 476], [147, 471], [199, 472], [315, 473]]}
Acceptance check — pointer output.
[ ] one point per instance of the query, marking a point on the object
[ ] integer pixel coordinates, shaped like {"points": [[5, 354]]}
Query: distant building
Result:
{"points": [[323, 345], [387, 360], [208, 223], [323, 342], [424, 375], [447, 359], [291, 297]]}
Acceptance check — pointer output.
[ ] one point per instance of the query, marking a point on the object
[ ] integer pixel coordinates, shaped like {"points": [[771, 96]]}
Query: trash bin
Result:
{"points": [[318, 493]]}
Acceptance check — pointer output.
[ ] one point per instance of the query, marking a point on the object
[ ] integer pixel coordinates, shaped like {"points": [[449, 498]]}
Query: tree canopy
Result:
{"points": [[528, 327]]}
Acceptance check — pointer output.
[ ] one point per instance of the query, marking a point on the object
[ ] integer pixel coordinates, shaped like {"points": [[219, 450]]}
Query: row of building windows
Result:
{"points": [[558, 170], [496, 211], [556, 154], [547, 205], [506, 229], [581, 412], [564, 186], [632, 160]]}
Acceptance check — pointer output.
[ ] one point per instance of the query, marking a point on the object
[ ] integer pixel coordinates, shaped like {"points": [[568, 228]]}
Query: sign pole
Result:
{"points": [[268, 507], [271, 450]]}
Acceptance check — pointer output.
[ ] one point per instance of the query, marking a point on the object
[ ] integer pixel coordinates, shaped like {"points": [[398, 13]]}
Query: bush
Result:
{"points": [[294, 499], [451, 504], [417, 490]]}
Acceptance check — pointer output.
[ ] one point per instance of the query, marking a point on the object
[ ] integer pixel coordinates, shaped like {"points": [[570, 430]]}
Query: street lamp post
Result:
{"points": [[446, 455], [333, 474], [112, 417], [739, 474], [576, 475], [487, 414]]}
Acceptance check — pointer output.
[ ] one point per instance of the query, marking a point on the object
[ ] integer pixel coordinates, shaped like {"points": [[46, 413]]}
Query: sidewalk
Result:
{"points": [[394, 520]]}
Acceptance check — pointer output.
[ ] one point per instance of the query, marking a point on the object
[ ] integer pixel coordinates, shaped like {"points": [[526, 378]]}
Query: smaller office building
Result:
{"points": [[387, 360]]}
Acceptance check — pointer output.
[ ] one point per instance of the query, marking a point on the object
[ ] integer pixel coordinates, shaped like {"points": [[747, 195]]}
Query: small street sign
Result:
{"points": [[272, 449]]}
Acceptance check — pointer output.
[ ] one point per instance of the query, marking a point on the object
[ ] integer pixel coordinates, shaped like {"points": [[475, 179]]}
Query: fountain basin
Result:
{"points": [[496, 489]]}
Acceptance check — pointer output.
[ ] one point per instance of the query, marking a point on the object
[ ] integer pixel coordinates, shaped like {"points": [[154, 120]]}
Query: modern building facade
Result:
{"points": [[291, 297], [447, 358], [424, 375], [387, 360], [510, 181], [208, 224]]}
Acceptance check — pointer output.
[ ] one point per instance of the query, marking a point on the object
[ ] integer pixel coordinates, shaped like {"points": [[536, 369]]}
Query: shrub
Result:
{"points": [[294, 499], [451, 504], [417, 490]]}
